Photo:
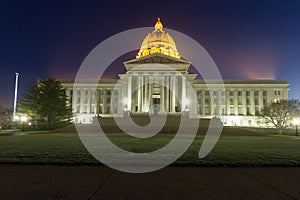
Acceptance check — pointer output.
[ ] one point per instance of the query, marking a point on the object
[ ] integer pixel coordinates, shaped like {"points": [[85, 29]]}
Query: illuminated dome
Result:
{"points": [[158, 42]]}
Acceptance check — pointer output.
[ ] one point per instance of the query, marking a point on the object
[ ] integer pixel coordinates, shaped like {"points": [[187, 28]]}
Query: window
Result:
{"points": [[248, 111], [108, 92], [277, 92], [78, 92], [240, 111], [207, 111], [256, 111], [86, 92], [231, 93], [239, 93], [215, 101], [247, 93], [265, 93], [207, 101], [108, 100], [256, 101], [240, 102], [256, 93], [248, 101]]}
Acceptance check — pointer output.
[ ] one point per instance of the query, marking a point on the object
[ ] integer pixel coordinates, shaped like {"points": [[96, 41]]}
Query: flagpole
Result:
{"points": [[16, 96]]}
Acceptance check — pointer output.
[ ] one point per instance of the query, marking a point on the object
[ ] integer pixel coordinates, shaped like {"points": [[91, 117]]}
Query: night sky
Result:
{"points": [[246, 39]]}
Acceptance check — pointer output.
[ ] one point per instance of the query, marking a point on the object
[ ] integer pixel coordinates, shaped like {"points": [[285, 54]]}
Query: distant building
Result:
{"points": [[238, 105]]}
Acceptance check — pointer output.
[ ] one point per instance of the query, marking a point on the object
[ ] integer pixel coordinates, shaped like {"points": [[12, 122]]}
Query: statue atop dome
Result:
{"points": [[158, 42]]}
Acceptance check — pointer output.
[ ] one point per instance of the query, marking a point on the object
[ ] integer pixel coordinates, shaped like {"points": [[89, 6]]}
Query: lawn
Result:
{"points": [[63, 148]]}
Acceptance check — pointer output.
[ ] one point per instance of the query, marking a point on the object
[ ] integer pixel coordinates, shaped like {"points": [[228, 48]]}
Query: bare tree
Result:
{"points": [[5, 118], [281, 113]]}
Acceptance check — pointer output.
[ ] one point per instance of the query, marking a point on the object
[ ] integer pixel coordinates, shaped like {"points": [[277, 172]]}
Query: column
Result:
{"points": [[173, 94], [150, 89], [167, 81], [212, 106], [252, 104], [203, 102], [219, 102], [228, 102], [97, 103], [183, 93], [129, 96], [244, 103], [74, 104], [88, 103], [139, 94], [104, 101], [260, 100], [236, 102], [162, 95]]}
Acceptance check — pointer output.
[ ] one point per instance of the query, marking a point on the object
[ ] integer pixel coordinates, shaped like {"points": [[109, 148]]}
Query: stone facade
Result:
{"points": [[158, 82]]}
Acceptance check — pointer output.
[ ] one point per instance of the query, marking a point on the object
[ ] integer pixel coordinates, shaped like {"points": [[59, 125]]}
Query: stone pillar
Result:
{"points": [[104, 101], [162, 95], [183, 93], [244, 103], [146, 93], [212, 106], [202, 102], [129, 91], [88, 102], [173, 93], [97, 103], [139, 86], [235, 99], [228, 102], [82, 96], [252, 103], [74, 104], [167, 79], [260, 100], [150, 89]]}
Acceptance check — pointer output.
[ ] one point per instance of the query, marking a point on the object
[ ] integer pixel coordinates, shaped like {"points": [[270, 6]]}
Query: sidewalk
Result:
{"points": [[99, 182]]}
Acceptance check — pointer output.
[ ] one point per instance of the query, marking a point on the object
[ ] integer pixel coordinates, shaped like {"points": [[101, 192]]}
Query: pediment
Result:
{"points": [[156, 58]]}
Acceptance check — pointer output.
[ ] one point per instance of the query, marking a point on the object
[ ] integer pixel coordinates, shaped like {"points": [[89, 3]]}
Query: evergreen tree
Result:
{"points": [[46, 102]]}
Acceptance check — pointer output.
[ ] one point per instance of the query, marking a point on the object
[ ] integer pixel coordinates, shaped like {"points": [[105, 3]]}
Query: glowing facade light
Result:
{"points": [[296, 121], [24, 118]]}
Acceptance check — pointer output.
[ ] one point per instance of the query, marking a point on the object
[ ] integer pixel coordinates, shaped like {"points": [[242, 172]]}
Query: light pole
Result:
{"points": [[23, 120], [296, 122], [16, 96]]}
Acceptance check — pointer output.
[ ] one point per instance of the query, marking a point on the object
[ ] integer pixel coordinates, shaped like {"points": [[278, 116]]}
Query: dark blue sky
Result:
{"points": [[246, 39]]}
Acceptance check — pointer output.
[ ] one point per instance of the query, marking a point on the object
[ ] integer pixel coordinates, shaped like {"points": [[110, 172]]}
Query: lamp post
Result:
{"points": [[16, 96], [23, 120], [296, 122]]}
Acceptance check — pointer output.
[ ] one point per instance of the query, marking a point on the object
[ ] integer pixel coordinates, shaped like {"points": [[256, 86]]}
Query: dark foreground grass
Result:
{"points": [[229, 151]]}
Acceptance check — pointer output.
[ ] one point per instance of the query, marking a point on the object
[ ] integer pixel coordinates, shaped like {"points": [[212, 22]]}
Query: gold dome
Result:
{"points": [[158, 42]]}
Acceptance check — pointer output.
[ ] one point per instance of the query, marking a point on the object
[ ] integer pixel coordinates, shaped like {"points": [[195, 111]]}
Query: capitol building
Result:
{"points": [[160, 91]]}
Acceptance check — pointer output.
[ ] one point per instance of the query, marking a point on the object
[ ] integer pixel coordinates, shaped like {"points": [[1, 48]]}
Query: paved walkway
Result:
{"points": [[99, 182]]}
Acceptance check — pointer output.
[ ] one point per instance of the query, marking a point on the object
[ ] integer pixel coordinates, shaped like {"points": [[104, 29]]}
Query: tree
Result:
{"points": [[46, 102], [5, 118], [281, 113]]}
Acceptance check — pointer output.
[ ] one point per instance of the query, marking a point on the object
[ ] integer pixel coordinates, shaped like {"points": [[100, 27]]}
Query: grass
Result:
{"points": [[62, 148]]}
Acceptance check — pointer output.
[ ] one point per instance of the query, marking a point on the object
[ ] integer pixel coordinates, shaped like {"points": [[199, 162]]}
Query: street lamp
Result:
{"points": [[296, 122], [23, 120]]}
